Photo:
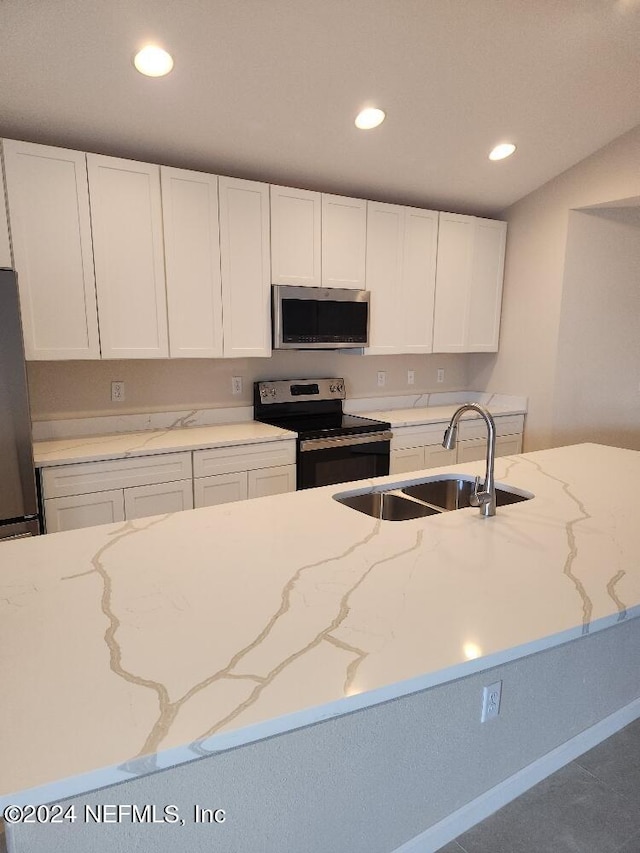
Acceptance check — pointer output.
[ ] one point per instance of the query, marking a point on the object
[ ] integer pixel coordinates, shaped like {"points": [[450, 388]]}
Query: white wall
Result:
{"points": [[68, 389], [599, 333], [538, 227]]}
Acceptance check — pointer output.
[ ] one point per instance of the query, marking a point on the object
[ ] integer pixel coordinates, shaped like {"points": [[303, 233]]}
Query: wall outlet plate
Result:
{"points": [[382, 378], [491, 695], [117, 392], [440, 374], [236, 384], [411, 377]]}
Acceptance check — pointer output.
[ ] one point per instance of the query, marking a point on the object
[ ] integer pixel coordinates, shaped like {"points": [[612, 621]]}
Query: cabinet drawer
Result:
{"points": [[476, 428], [417, 436], [85, 477], [243, 457]]}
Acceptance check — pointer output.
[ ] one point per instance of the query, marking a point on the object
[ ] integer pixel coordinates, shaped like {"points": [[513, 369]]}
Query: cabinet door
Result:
{"points": [[5, 244], [192, 260], [385, 235], [418, 280], [76, 511], [344, 241], [271, 481], [453, 276], [126, 218], [244, 251], [473, 450], [406, 459], [485, 291], [51, 232], [508, 445], [142, 501], [295, 236], [220, 489], [435, 456]]}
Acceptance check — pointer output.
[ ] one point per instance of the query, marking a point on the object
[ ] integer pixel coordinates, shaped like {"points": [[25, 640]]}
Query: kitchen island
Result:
{"points": [[141, 647]]}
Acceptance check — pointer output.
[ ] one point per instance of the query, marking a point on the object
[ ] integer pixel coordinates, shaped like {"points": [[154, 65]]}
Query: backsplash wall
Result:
{"points": [[75, 389]]}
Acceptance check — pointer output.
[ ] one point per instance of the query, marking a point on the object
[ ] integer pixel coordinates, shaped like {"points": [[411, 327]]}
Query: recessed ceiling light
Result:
{"points": [[371, 117], [505, 149], [153, 61]]}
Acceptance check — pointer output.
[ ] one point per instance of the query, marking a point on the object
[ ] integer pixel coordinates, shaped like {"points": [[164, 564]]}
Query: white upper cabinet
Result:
{"points": [[401, 267], [5, 244], [49, 215], [468, 284], [385, 238], [126, 217], [344, 241], [192, 263], [485, 302], [245, 265], [296, 228]]}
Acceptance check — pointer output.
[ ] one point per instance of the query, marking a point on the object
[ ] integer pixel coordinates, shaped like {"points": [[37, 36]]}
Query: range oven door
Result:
{"points": [[324, 461]]}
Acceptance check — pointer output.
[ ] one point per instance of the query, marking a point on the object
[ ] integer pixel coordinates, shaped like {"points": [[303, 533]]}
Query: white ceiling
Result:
{"points": [[268, 89]]}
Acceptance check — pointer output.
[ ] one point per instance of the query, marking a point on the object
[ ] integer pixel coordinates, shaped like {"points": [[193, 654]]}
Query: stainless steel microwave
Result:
{"points": [[320, 317]]}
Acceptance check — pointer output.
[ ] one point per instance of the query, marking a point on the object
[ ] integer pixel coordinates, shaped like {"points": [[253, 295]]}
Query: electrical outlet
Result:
{"points": [[441, 374], [382, 378], [236, 384], [411, 377], [117, 392], [491, 695]]}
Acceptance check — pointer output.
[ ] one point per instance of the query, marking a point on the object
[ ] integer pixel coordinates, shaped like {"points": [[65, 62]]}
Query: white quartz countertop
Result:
{"points": [[93, 448], [132, 647], [433, 414]]}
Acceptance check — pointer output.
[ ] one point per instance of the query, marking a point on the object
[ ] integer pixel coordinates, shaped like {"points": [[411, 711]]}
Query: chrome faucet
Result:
{"points": [[486, 497]]}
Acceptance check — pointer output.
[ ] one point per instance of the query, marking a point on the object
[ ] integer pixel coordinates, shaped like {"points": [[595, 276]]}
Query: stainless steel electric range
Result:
{"points": [[332, 447]]}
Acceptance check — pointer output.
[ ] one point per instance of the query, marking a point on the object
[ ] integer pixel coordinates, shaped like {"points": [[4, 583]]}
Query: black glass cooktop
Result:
{"points": [[318, 426]]}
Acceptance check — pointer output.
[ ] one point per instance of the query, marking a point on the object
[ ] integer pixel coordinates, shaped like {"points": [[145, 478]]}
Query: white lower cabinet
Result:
{"points": [[74, 511], [415, 448], [226, 474], [142, 501], [475, 449], [271, 481], [220, 489], [88, 493]]}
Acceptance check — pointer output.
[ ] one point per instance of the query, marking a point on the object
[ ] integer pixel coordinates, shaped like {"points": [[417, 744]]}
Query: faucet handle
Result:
{"points": [[479, 496], [474, 497]]}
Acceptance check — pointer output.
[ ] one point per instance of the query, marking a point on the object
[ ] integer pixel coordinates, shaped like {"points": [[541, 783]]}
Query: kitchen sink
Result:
{"points": [[455, 493], [387, 506], [419, 498]]}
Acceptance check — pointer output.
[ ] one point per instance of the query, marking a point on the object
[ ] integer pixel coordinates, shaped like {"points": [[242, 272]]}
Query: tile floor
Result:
{"points": [[591, 805]]}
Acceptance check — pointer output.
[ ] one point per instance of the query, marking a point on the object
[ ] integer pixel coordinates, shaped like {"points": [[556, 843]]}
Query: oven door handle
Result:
{"points": [[344, 440]]}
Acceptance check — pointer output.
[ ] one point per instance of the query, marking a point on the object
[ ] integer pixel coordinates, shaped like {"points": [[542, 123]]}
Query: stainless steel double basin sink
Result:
{"points": [[419, 498]]}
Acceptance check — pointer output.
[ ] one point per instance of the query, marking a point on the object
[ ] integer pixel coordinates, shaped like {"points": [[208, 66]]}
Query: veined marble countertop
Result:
{"points": [[433, 414], [131, 647], [181, 436], [92, 448]]}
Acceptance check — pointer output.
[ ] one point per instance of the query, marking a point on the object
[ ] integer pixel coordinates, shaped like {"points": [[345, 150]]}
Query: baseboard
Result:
{"points": [[460, 821]]}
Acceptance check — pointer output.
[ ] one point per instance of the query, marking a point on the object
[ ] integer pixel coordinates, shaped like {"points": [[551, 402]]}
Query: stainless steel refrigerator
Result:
{"points": [[18, 497]]}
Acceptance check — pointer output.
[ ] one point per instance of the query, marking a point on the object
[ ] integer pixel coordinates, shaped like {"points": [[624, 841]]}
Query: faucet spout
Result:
{"points": [[485, 497]]}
